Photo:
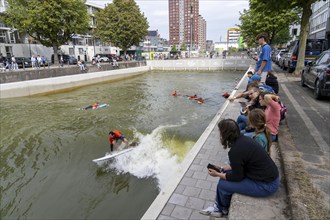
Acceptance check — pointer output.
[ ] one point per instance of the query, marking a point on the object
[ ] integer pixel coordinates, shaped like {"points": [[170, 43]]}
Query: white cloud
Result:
{"points": [[219, 15]]}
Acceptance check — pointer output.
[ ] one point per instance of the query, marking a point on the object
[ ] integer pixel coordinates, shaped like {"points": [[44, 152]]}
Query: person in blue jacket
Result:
{"points": [[264, 63]]}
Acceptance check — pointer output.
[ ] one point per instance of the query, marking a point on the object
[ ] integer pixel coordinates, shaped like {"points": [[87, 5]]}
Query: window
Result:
{"points": [[2, 37], [325, 59]]}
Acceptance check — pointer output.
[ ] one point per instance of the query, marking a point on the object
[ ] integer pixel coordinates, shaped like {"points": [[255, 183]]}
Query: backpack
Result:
{"points": [[283, 110]]}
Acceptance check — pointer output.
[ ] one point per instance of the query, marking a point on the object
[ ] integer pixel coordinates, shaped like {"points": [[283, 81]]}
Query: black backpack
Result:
{"points": [[283, 110]]}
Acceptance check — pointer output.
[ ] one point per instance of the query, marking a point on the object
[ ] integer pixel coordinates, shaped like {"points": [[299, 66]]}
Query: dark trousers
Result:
{"points": [[226, 189]]}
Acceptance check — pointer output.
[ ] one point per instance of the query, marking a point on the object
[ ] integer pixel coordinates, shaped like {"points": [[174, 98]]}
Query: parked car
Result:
{"points": [[316, 75], [67, 59], [102, 57], [314, 47], [279, 54], [281, 60], [23, 60]]}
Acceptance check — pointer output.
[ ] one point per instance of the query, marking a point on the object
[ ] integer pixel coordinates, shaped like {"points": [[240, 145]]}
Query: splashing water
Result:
{"points": [[153, 157]]}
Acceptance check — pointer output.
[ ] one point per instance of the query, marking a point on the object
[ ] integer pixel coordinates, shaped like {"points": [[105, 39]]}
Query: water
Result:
{"points": [[47, 144]]}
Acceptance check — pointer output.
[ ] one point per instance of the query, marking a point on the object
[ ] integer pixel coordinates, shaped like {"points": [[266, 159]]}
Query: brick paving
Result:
{"points": [[196, 189]]}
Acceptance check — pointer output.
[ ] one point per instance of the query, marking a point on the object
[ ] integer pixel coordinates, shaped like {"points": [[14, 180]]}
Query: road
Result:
{"points": [[308, 120]]}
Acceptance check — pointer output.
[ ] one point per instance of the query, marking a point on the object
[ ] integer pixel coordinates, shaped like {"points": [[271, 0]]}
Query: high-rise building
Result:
{"points": [[183, 22], [202, 33]]}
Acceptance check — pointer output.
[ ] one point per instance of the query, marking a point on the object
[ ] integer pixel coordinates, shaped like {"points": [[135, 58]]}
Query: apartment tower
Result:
{"points": [[201, 33], [183, 22]]}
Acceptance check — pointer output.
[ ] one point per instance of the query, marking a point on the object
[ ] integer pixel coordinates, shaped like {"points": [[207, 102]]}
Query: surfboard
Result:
{"points": [[113, 155]]}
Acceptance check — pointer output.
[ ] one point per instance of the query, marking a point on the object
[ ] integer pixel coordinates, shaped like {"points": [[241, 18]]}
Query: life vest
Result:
{"points": [[116, 135]]}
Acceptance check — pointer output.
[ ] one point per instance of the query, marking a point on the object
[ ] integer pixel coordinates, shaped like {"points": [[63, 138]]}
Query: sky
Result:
{"points": [[220, 15]]}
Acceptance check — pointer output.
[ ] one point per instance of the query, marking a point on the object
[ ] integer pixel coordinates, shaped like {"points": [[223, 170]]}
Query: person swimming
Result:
{"points": [[94, 106]]}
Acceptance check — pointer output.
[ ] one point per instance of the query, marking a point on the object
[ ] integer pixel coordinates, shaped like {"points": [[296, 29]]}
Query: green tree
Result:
{"points": [[260, 19], [122, 24], [51, 22], [306, 7], [183, 47], [173, 48]]}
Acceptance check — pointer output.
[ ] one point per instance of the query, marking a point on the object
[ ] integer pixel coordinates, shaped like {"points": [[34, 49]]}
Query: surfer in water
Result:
{"points": [[115, 139], [94, 106]]}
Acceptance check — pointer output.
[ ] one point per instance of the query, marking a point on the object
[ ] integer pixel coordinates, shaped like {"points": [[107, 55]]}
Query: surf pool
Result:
{"points": [[48, 144]]}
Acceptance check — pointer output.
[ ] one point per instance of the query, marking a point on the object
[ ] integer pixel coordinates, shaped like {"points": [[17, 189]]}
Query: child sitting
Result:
{"points": [[257, 120]]}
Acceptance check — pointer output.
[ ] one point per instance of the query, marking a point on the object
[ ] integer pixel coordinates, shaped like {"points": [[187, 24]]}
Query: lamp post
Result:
{"points": [[191, 26]]}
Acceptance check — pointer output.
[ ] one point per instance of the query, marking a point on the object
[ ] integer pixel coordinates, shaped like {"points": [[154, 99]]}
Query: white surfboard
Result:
{"points": [[110, 156]]}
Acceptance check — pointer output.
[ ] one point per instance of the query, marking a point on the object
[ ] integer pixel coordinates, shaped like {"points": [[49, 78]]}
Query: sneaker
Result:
{"points": [[225, 211], [211, 211]]}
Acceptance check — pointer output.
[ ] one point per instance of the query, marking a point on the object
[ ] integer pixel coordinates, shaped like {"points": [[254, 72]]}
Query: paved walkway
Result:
{"points": [[193, 189]]}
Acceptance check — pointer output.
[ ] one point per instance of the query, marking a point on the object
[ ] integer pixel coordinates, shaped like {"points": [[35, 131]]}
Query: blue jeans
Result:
{"points": [[242, 121], [273, 137], [226, 189]]}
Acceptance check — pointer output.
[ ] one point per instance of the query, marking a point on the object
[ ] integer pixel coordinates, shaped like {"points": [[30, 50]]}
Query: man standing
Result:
{"points": [[264, 63]]}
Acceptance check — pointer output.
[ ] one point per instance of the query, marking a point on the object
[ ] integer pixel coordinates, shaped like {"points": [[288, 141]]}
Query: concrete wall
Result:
{"points": [[32, 87], [235, 63], [55, 71]]}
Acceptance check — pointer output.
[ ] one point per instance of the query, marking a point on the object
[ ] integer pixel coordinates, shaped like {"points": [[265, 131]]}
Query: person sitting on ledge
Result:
{"points": [[251, 171]]}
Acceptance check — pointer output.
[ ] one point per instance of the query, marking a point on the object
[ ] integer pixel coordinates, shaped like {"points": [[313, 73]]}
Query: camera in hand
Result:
{"points": [[211, 166]]}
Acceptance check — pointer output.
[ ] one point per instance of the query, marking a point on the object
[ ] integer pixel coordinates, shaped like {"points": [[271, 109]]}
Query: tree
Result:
{"points": [[173, 48], [260, 19], [122, 24], [183, 47], [306, 7], [51, 22]]}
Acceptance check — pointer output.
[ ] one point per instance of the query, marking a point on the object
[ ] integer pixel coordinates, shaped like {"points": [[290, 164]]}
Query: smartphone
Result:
{"points": [[211, 166]]}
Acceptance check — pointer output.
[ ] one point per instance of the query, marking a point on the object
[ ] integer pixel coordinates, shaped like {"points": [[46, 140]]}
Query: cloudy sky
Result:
{"points": [[219, 15]]}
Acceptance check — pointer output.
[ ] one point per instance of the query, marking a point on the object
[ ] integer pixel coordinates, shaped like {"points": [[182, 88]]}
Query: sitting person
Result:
{"points": [[263, 87], [115, 139], [244, 94], [272, 111], [251, 171], [257, 120], [249, 106], [271, 80]]}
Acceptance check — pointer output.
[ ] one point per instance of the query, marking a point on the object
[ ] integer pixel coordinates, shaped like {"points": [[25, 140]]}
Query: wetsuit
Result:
{"points": [[116, 136]]}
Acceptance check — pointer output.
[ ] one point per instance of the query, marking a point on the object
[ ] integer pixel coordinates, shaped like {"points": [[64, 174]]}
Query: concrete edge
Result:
{"points": [[158, 204], [288, 156], [39, 86]]}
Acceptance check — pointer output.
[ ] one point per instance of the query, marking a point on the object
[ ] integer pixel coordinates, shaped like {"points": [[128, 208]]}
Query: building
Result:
{"points": [[320, 20], [209, 45], [83, 47], [154, 43], [233, 35], [183, 22], [201, 33]]}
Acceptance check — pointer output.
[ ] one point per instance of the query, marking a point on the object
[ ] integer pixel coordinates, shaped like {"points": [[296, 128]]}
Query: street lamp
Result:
{"points": [[191, 26]]}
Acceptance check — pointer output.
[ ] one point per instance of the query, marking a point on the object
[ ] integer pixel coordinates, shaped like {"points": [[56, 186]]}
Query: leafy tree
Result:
{"points": [[173, 48], [183, 47], [306, 7], [51, 22], [122, 24], [260, 19]]}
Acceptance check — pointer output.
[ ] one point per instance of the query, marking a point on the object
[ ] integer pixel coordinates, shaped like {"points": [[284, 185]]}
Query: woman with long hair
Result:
{"points": [[257, 120], [251, 171]]}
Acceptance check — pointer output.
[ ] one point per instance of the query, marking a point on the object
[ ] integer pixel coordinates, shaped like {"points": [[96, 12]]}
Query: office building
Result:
{"points": [[320, 20]]}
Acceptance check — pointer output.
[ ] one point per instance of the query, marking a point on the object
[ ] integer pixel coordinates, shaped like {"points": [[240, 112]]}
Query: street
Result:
{"points": [[308, 121]]}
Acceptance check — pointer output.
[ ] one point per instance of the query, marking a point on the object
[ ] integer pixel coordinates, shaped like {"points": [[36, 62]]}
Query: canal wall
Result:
{"points": [[56, 71], [231, 63], [37, 81], [52, 84]]}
